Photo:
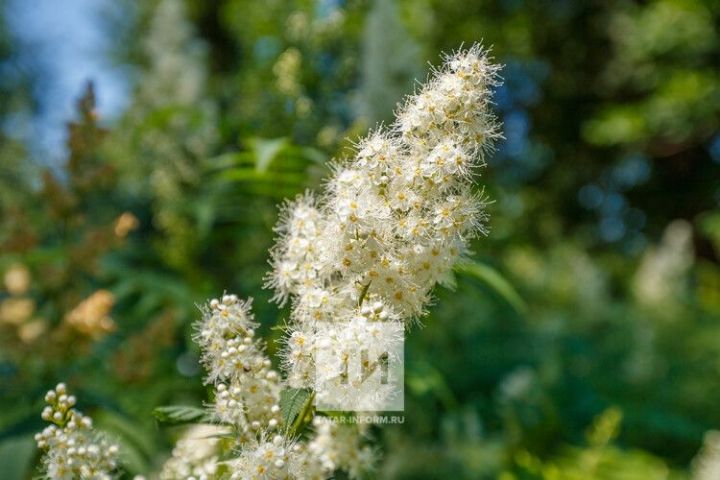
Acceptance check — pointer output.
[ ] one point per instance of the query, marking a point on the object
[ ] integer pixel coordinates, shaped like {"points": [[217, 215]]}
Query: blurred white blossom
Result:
{"points": [[706, 466], [661, 278], [196, 454]]}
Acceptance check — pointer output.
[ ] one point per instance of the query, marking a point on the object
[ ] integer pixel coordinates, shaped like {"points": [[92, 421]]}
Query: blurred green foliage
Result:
{"points": [[582, 342]]}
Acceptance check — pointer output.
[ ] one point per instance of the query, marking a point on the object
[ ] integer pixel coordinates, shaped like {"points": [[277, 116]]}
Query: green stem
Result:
{"points": [[363, 293], [300, 419]]}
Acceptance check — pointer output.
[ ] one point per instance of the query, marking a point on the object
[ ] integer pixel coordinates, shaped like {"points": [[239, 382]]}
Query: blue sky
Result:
{"points": [[65, 41]]}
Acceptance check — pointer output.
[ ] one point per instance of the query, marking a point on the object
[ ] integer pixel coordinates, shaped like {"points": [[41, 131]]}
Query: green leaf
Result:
{"points": [[180, 414], [292, 402], [314, 155], [495, 281], [266, 150], [16, 456], [423, 378], [247, 175], [363, 292], [136, 443]]}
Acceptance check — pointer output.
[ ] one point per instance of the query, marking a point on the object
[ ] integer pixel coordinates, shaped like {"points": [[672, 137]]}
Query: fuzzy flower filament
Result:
{"points": [[392, 221]]}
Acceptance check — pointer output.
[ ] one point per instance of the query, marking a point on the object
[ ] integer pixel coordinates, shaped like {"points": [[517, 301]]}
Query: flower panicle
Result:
{"points": [[393, 220], [247, 388], [72, 448]]}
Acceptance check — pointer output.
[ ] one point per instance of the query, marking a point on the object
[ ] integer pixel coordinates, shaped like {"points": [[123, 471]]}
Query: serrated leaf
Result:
{"points": [[180, 414], [495, 281], [292, 402]]}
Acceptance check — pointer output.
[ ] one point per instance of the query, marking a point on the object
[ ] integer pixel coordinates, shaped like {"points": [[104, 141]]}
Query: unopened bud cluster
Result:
{"points": [[73, 450], [247, 388]]}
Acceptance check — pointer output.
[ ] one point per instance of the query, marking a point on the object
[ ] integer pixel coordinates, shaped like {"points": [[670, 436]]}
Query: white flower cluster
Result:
{"points": [[247, 388], [340, 384], [247, 397], [73, 450], [265, 460], [196, 454], [340, 447], [330, 447], [393, 221]]}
